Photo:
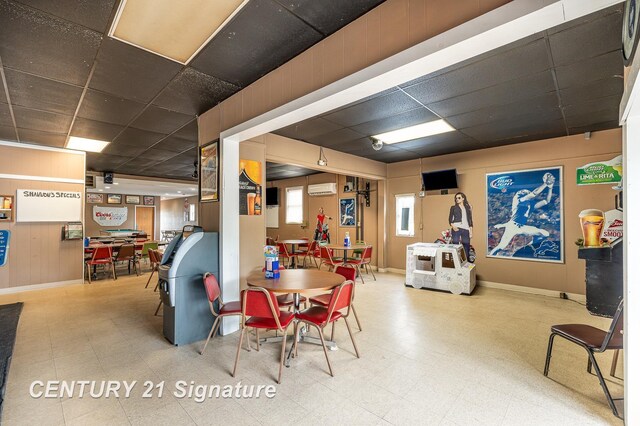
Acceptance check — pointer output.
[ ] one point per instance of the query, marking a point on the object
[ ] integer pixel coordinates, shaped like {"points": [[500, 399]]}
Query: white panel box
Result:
{"points": [[439, 267], [39, 205]]}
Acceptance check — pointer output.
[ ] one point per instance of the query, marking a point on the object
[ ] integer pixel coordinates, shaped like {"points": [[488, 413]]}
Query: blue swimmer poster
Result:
{"points": [[347, 212], [524, 215], [4, 246]]}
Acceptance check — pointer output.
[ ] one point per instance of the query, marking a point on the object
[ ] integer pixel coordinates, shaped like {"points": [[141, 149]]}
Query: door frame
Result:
{"points": [[135, 220]]}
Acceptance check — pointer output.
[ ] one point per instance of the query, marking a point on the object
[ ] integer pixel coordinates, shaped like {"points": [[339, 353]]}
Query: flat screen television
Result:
{"points": [[441, 179], [272, 196]]}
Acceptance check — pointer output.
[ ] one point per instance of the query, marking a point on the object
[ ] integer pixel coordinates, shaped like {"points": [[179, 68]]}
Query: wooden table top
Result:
{"points": [[293, 241], [296, 280], [343, 247]]}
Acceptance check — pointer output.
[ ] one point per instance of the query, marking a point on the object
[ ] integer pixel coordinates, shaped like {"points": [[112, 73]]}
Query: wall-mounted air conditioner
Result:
{"points": [[322, 189]]}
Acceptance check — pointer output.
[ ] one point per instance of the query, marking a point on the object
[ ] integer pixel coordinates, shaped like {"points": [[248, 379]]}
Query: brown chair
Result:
{"points": [[593, 340], [212, 289], [127, 253]]}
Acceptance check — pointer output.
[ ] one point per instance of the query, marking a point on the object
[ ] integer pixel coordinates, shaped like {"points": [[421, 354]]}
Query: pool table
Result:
{"points": [[120, 232]]}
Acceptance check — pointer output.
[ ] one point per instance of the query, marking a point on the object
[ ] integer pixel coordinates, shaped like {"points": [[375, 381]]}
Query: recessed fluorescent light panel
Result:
{"points": [[176, 30], [415, 132], [83, 144]]}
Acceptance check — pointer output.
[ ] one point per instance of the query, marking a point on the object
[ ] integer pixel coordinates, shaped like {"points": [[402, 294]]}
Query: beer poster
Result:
{"points": [[525, 215], [250, 188], [209, 172], [600, 172]]}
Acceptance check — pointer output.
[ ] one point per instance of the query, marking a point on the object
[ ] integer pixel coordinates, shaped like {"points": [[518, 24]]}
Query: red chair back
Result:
{"points": [[211, 286], [325, 254], [348, 273], [341, 297], [304, 245], [261, 303], [282, 250], [367, 254], [101, 253]]}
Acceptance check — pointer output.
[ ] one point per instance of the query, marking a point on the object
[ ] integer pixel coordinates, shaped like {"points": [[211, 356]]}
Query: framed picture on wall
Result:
{"points": [[114, 198], [525, 215], [209, 172], [132, 199], [93, 198], [149, 200], [347, 212]]}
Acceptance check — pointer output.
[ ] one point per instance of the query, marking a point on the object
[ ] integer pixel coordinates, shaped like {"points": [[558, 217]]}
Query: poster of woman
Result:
{"points": [[524, 215], [461, 222]]}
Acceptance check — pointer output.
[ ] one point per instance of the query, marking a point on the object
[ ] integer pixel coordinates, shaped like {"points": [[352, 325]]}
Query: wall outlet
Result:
{"points": [[421, 194]]}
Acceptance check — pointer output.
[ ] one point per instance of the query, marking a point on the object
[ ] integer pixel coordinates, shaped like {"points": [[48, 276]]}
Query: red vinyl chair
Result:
{"points": [[326, 257], [212, 288], [283, 254], [260, 310], [349, 274], [287, 299], [311, 252], [102, 255], [364, 260], [319, 316]]}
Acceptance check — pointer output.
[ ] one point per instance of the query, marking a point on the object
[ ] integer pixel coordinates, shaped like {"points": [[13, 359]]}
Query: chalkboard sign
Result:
{"points": [[4, 246]]}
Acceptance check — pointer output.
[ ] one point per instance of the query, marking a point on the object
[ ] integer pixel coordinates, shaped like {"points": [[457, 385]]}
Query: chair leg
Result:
{"points": [[603, 384], [333, 329], [295, 339], [113, 269], [235, 365], [371, 270], [258, 339], [614, 363], [549, 349], [213, 328], [282, 351], [352, 339], [324, 347], [360, 274], [88, 273], [150, 276], [589, 365], [353, 308], [157, 309]]}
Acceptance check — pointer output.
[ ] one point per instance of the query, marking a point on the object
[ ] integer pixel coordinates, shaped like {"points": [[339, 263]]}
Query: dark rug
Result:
{"points": [[9, 316]]}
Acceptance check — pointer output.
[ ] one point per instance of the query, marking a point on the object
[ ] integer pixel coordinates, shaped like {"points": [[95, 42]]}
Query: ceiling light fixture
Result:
{"points": [[84, 144], [322, 160], [415, 132]]}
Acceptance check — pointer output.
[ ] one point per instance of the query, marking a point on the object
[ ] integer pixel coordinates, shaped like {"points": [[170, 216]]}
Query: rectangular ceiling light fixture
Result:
{"points": [[84, 144], [176, 30], [415, 132]]}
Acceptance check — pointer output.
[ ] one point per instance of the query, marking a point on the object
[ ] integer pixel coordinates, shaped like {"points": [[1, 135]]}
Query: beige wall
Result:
{"points": [[172, 213], [37, 254], [93, 229], [569, 152]]}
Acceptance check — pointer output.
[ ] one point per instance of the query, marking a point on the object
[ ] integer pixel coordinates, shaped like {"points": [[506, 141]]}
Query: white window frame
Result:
{"points": [[411, 231], [293, 220]]}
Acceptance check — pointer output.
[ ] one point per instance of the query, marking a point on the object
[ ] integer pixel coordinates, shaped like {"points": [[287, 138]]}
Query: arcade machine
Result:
{"points": [[440, 267], [188, 256]]}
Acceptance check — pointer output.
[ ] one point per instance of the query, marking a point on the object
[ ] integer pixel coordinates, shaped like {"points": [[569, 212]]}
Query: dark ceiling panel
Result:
{"points": [[339, 137], [101, 161], [92, 129], [193, 92], [516, 129], [453, 138], [137, 137], [500, 94], [108, 108], [123, 149], [594, 127], [8, 133], [189, 132], [610, 103], [40, 93], [131, 73], [591, 39], [398, 121], [175, 144], [42, 138], [156, 154], [592, 69], [49, 47], [5, 115], [593, 90], [160, 120], [373, 109], [135, 165], [277, 171], [461, 145], [393, 156], [237, 53], [309, 128], [329, 15], [41, 120], [93, 14]]}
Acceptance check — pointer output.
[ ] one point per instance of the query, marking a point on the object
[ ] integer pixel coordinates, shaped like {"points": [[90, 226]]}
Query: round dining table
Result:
{"points": [[345, 249], [293, 244], [297, 281]]}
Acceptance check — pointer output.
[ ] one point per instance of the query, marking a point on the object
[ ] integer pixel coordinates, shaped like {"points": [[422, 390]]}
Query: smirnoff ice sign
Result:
{"points": [[613, 226]]}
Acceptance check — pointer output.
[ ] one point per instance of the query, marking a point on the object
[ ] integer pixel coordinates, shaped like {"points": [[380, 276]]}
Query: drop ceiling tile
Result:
{"points": [[8, 133], [237, 53], [330, 15], [593, 38], [50, 47], [40, 93], [92, 14], [161, 120], [395, 122], [394, 156], [5, 115], [594, 127], [193, 92], [128, 72], [501, 94], [335, 138], [523, 127], [137, 137], [308, 129], [122, 149], [107, 108], [41, 120], [3, 97], [601, 67], [189, 132], [42, 138], [373, 109], [590, 119], [175, 144], [157, 154], [452, 138], [610, 103], [92, 129], [577, 94], [135, 165], [101, 162]]}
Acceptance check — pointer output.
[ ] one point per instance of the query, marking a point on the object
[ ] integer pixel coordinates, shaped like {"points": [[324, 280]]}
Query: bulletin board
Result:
{"points": [[273, 213]]}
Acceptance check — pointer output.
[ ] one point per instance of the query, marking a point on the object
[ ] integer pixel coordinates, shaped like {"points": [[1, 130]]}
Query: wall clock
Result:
{"points": [[630, 31]]}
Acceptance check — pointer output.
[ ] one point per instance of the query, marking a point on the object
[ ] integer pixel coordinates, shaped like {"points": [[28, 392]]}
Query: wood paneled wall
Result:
{"points": [[93, 228]]}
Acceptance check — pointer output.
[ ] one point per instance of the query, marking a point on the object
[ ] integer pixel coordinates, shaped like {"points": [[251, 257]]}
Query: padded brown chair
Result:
{"points": [[127, 253], [593, 340]]}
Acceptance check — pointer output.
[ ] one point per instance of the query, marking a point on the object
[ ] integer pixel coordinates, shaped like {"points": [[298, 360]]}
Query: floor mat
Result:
{"points": [[9, 316]]}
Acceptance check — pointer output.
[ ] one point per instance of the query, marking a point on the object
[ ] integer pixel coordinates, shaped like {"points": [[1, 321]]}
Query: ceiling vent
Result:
{"points": [[89, 181], [322, 189]]}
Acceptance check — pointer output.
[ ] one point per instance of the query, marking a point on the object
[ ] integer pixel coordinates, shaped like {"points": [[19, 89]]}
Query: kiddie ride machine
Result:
{"points": [[440, 267]]}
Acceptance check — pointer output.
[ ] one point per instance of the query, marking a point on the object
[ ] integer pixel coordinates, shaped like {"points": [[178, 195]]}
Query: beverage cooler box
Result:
{"points": [[186, 314], [439, 267]]}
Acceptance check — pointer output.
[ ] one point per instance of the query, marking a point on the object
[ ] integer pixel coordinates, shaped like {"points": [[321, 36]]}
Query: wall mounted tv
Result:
{"points": [[272, 196], [441, 179]]}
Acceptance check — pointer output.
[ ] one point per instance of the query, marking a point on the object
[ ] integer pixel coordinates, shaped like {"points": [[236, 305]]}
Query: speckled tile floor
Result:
{"points": [[426, 358]]}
